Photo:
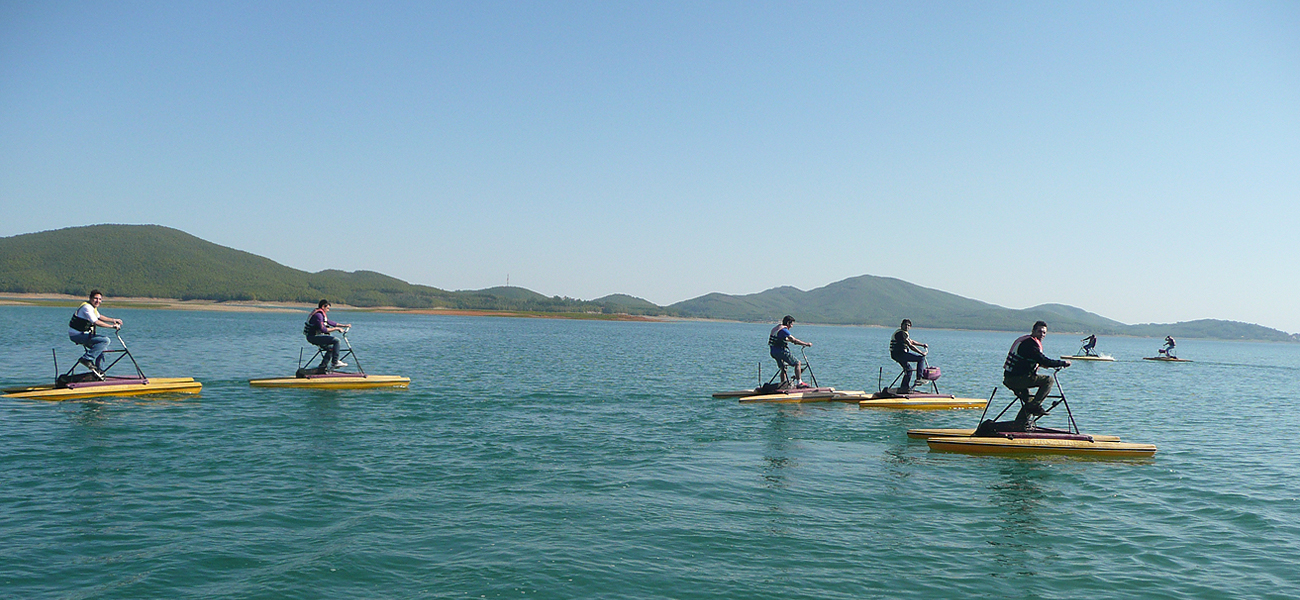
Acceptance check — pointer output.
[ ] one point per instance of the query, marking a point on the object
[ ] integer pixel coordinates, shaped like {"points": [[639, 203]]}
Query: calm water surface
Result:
{"points": [[572, 459]]}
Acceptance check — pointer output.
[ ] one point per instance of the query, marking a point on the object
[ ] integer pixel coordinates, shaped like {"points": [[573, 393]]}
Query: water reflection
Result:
{"points": [[1020, 501], [778, 465], [92, 413], [778, 441], [1019, 496]]}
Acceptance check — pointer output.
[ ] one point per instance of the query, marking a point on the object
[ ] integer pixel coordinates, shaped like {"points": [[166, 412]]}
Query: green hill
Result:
{"points": [[631, 305], [160, 262], [1211, 328], [884, 301], [870, 300]]}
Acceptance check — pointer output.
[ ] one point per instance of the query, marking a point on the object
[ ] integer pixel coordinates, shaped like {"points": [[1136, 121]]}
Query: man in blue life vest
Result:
{"points": [[778, 346], [81, 330], [905, 351], [1020, 372], [318, 329]]}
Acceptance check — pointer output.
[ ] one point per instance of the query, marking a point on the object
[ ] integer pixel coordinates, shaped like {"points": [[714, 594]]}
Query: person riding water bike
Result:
{"points": [[318, 329], [1089, 343], [905, 351], [778, 346], [81, 330], [1168, 350], [1020, 372]]}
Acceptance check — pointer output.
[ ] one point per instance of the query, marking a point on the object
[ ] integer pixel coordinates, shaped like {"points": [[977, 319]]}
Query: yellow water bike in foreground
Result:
{"points": [[1012, 437], [91, 383]]}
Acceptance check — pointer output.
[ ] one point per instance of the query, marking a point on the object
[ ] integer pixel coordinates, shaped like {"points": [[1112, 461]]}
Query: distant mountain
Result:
{"points": [[884, 301], [160, 262], [625, 304], [1212, 328], [870, 300]]}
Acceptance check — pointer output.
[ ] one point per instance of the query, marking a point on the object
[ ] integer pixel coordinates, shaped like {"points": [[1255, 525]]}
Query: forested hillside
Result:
{"points": [[160, 262]]}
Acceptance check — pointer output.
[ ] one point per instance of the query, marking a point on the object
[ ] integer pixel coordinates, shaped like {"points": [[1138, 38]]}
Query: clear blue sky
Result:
{"points": [[1138, 160]]}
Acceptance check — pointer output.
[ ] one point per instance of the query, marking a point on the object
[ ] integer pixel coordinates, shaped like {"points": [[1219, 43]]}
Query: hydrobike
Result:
{"points": [[1009, 437], [1084, 354], [927, 433], [323, 376], [73, 385], [1166, 359], [1165, 355], [780, 388], [916, 398]]}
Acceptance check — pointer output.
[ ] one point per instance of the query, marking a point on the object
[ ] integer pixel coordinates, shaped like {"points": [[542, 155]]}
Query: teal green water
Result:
{"points": [[569, 459]]}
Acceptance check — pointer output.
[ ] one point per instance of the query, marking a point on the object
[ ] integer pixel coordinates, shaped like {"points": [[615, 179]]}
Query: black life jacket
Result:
{"points": [[776, 341], [308, 329], [895, 345], [1017, 365], [81, 324]]}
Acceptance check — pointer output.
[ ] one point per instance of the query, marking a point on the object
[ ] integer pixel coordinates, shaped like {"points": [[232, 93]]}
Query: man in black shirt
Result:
{"points": [[1020, 371]]}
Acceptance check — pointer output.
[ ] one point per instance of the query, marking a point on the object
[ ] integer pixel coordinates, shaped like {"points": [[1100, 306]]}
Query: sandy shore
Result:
{"points": [[110, 302], [9, 299]]}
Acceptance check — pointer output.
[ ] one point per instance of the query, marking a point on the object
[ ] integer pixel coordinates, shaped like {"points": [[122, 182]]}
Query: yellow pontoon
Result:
{"points": [[111, 386]]}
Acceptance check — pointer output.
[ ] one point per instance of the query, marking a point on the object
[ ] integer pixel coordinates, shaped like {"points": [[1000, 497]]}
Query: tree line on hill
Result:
{"points": [[161, 262]]}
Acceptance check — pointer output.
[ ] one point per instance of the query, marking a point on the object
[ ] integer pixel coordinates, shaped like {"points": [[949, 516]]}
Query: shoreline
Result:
{"points": [[14, 299], [236, 306]]}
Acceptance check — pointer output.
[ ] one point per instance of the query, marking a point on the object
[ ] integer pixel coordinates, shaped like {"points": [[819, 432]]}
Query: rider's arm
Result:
{"points": [[1031, 352], [797, 341], [1044, 361], [103, 321]]}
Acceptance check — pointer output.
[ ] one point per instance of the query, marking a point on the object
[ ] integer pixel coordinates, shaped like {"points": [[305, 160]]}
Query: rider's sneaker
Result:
{"points": [[90, 366], [339, 363]]}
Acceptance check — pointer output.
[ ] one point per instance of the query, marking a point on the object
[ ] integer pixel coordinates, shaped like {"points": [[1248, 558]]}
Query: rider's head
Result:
{"points": [[1040, 329], [787, 320], [323, 303], [905, 323], [94, 293]]}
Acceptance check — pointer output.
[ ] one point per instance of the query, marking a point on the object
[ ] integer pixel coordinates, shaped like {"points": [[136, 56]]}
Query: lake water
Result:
{"points": [[536, 458]]}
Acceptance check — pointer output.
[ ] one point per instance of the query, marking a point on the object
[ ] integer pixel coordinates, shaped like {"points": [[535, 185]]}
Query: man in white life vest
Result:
{"points": [[81, 330], [1020, 371]]}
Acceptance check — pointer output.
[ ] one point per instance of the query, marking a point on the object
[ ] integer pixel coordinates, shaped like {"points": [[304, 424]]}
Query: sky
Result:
{"points": [[1139, 160]]}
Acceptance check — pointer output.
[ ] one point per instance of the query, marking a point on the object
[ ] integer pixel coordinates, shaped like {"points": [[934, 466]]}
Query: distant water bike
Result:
{"points": [[1165, 355], [73, 385], [892, 396], [780, 388], [1010, 437], [323, 376], [1086, 353]]}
